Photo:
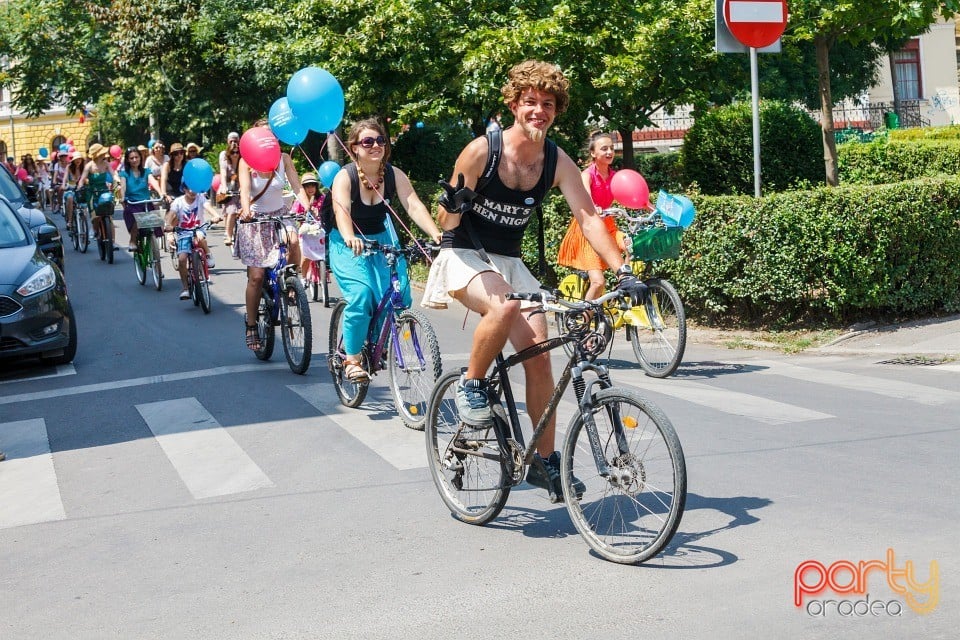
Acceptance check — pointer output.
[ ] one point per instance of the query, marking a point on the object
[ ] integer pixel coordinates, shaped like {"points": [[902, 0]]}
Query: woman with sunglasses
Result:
{"points": [[172, 173], [230, 185], [261, 195], [136, 181], [361, 209], [68, 182], [155, 160]]}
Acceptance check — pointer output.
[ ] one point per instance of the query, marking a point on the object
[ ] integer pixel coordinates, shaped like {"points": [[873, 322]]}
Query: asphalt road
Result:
{"points": [[169, 485]]}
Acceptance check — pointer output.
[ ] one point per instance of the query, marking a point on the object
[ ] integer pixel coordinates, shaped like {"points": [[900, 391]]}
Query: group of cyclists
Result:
{"points": [[497, 183]]}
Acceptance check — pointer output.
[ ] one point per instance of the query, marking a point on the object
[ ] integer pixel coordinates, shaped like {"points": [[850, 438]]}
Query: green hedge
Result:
{"points": [[826, 254], [883, 162], [951, 132]]}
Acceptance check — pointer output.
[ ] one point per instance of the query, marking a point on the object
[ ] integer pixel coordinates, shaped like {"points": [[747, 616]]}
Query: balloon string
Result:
{"points": [[389, 207]]}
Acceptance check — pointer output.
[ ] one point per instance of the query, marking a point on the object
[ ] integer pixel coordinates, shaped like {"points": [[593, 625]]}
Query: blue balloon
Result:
{"points": [[419, 125], [64, 148], [43, 152], [316, 99], [150, 143], [287, 127], [198, 175], [327, 172]]}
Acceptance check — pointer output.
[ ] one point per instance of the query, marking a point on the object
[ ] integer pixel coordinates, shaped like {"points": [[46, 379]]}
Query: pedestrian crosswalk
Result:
{"points": [[210, 463]]}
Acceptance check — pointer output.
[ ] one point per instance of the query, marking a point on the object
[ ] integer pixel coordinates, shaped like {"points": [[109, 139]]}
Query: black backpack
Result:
{"points": [[494, 150], [328, 220]]}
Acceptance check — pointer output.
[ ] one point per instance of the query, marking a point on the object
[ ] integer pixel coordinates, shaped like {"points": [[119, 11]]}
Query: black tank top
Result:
{"points": [[499, 217], [370, 218], [174, 178]]}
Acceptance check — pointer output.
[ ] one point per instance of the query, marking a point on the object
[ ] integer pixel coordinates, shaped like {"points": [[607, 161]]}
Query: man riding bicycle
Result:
{"points": [[479, 262]]}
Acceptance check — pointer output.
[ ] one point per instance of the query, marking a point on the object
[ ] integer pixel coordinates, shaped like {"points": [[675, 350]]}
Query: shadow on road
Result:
{"points": [[692, 370]]}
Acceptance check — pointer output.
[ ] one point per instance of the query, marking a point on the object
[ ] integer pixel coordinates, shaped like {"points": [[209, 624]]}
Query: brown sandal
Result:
{"points": [[253, 338], [355, 371]]}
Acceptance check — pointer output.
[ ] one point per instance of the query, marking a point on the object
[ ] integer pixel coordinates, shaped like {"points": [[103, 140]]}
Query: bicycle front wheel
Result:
{"points": [[414, 366], [156, 264], [296, 328], [324, 282], [629, 514], [466, 463], [658, 330], [108, 238], [573, 286], [351, 393], [82, 230], [140, 258], [202, 280]]}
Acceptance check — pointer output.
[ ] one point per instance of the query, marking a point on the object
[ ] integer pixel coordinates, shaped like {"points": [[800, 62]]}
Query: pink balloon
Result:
{"points": [[70, 142], [116, 151], [215, 185], [114, 164], [630, 189], [22, 174], [260, 148]]}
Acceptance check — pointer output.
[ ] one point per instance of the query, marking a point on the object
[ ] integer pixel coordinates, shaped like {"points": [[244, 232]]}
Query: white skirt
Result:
{"points": [[453, 269]]}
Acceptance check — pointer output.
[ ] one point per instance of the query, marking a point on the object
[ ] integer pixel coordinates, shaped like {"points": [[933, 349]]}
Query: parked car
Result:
{"points": [[36, 318], [44, 230]]}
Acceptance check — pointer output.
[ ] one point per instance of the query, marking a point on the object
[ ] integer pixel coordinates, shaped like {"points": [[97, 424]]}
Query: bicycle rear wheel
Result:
{"points": [[108, 239], [351, 393], [659, 334], [140, 259], [630, 515], [82, 230], [466, 463], [413, 363], [314, 276], [265, 328], [296, 327], [324, 282], [156, 263]]}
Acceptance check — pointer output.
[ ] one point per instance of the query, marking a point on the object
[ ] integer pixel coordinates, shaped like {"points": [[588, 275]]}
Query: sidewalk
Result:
{"points": [[935, 337]]}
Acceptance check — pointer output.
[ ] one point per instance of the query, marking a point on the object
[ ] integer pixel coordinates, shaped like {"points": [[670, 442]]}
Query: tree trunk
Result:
{"points": [[826, 110], [894, 83], [626, 137]]}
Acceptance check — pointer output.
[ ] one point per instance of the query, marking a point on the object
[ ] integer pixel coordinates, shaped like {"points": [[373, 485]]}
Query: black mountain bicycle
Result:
{"points": [[620, 448]]}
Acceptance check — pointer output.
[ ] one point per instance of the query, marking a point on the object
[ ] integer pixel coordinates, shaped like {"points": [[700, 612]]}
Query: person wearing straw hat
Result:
{"points": [[98, 175], [311, 187]]}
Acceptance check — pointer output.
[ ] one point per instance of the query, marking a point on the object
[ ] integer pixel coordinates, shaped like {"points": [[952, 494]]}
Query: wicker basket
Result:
{"points": [[148, 219]]}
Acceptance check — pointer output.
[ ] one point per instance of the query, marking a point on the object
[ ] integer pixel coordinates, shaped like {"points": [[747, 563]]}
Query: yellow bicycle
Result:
{"points": [[656, 329]]}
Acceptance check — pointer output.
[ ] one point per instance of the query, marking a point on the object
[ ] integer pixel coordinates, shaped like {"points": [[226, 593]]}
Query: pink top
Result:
{"points": [[600, 187]]}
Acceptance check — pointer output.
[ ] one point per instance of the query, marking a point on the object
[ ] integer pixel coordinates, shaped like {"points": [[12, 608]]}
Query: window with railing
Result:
{"points": [[907, 61]]}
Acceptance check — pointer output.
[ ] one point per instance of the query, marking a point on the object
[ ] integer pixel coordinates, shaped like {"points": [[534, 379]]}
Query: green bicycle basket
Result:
{"points": [[657, 243]]}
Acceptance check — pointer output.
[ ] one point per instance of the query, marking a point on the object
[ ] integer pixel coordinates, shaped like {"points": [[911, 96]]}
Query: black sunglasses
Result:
{"points": [[368, 142]]}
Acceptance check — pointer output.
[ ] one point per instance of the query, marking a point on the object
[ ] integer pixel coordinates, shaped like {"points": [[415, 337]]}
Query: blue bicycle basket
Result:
{"points": [[104, 204]]}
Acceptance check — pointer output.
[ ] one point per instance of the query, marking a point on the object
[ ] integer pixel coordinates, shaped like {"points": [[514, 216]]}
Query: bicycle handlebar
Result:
{"points": [[620, 212], [410, 251], [551, 302], [147, 201]]}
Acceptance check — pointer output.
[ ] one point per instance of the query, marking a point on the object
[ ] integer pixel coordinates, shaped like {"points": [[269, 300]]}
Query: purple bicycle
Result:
{"points": [[406, 346]]}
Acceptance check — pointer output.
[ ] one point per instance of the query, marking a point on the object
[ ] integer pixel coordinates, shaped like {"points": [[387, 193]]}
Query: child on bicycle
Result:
{"points": [[311, 186], [186, 213]]}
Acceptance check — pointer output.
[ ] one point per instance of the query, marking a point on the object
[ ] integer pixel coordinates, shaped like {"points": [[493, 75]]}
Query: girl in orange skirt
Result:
{"points": [[575, 252]]}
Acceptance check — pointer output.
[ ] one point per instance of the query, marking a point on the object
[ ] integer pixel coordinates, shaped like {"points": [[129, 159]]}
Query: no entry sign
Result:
{"points": [[755, 23]]}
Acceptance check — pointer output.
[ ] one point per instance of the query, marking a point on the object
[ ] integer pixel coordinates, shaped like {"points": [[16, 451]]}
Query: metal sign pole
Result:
{"points": [[755, 90]]}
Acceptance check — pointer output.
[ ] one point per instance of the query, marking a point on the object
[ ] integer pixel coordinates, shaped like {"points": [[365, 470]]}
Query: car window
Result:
{"points": [[12, 231], [10, 190]]}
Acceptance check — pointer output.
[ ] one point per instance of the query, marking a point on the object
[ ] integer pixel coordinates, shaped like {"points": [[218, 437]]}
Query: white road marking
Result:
{"points": [[208, 459], [136, 382], [732, 402], [881, 386], [61, 370], [29, 492], [401, 447]]}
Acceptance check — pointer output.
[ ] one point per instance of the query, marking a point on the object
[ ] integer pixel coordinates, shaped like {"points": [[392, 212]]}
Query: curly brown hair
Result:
{"points": [[534, 74]]}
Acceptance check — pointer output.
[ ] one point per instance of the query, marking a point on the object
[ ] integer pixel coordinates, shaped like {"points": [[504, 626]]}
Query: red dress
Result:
{"points": [[575, 252]]}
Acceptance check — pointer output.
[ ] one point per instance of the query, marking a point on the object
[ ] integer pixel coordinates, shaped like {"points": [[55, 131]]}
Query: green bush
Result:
{"points": [[827, 254], [428, 153], [718, 149], [882, 162], [662, 171], [951, 132]]}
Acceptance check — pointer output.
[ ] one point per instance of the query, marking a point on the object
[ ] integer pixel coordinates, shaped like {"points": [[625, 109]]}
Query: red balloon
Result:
{"points": [[215, 185], [116, 151], [22, 174], [630, 189], [260, 148], [114, 164]]}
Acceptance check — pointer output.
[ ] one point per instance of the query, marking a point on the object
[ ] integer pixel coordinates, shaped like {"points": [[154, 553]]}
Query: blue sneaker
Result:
{"points": [[552, 480], [472, 403]]}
